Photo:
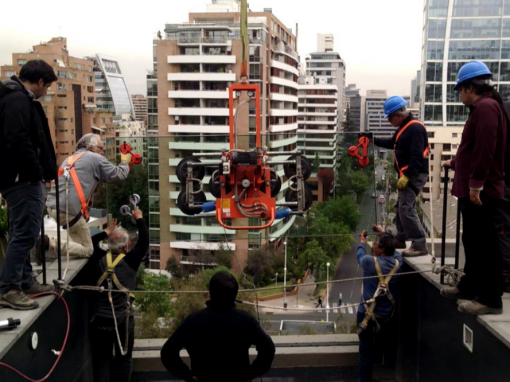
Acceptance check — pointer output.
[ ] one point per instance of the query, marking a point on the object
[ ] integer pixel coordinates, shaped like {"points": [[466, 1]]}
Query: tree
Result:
{"points": [[158, 303], [173, 266], [223, 256], [342, 210], [313, 256], [159, 35], [359, 182], [259, 265], [335, 238], [348, 126]]}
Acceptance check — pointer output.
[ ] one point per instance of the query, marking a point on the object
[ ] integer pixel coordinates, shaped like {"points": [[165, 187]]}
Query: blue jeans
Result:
{"points": [[25, 204]]}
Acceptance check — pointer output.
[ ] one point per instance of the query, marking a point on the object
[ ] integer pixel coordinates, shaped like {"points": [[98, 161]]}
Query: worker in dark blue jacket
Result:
{"points": [[411, 148]]}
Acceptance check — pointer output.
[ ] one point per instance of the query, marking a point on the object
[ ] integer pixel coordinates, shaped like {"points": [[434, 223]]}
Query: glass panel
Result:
{"points": [[474, 50], [436, 28], [435, 50], [433, 93], [454, 67], [475, 28], [438, 8], [477, 8], [457, 113]]}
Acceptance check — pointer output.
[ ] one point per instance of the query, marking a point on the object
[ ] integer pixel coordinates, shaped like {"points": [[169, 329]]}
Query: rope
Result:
{"points": [[102, 289], [306, 309], [67, 225]]}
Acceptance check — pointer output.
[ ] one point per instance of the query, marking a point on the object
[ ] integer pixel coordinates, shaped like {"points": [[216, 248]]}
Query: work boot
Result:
{"points": [[399, 244], [476, 308], [37, 288], [453, 292], [415, 252], [16, 299]]}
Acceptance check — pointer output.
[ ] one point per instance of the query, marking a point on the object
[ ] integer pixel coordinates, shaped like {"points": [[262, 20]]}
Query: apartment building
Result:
{"points": [[374, 114], [70, 103], [356, 106], [194, 63], [140, 107], [328, 68]]}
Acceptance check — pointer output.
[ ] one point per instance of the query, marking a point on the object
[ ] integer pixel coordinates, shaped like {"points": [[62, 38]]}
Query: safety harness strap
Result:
{"points": [[425, 152], [74, 176], [382, 289]]}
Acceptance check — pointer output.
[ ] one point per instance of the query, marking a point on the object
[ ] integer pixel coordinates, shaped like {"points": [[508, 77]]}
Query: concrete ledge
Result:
{"points": [[291, 352]]}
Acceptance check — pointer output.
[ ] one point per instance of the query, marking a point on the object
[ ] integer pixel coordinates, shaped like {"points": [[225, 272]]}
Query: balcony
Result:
{"points": [[284, 66], [198, 111], [226, 77], [284, 82], [274, 112], [283, 97], [201, 59]]}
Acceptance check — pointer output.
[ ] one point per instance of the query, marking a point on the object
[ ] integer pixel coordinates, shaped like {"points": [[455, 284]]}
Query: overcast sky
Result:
{"points": [[380, 40]]}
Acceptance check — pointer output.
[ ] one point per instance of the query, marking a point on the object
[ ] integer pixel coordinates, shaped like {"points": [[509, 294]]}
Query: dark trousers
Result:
{"points": [[408, 223], [482, 279], [25, 204], [503, 230], [107, 367], [380, 348]]}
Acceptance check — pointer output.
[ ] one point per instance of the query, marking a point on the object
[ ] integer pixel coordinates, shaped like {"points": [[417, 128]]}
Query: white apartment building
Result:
{"points": [[374, 114], [188, 109]]}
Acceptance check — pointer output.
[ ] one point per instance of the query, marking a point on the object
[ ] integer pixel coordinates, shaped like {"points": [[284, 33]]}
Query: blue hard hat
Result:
{"points": [[393, 104], [471, 70]]}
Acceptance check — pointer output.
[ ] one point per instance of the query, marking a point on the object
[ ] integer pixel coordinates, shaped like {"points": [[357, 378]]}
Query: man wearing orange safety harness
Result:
{"points": [[83, 172], [411, 147]]}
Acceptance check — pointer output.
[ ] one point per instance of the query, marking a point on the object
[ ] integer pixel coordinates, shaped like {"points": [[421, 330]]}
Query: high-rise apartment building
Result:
{"points": [[415, 89], [328, 68], [194, 63], [317, 133], [374, 114], [70, 103], [355, 107], [112, 94], [456, 32], [140, 107]]}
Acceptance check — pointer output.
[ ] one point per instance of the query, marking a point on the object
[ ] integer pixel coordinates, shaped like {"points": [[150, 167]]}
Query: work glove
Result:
{"points": [[402, 182], [125, 158]]}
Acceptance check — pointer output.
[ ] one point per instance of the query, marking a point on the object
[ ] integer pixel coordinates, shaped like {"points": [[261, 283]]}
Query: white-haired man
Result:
{"points": [[86, 169], [115, 269]]}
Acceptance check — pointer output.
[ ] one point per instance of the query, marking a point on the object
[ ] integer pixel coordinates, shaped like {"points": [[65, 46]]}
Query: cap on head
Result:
{"points": [[223, 288], [470, 71], [393, 104]]}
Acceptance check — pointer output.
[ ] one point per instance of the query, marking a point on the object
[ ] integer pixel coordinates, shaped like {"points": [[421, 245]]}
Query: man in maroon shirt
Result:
{"points": [[479, 185]]}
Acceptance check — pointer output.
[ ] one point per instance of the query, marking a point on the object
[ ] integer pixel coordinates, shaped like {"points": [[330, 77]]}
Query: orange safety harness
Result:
{"points": [[69, 170], [425, 152]]}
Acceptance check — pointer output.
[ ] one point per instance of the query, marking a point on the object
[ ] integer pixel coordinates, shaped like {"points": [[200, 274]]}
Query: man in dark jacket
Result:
{"points": [[28, 159], [124, 263], [479, 184], [217, 340], [411, 147], [503, 219]]}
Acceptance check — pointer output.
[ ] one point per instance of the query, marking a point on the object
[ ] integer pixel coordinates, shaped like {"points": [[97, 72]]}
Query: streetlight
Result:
{"points": [[327, 292], [285, 277]]}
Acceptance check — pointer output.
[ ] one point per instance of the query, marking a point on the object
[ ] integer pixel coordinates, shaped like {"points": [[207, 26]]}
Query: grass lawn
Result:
{"points": [[272, 291]]}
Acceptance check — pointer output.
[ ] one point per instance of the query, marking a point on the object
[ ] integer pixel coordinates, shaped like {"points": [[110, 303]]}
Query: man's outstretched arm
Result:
{"points": [[265, 352]]}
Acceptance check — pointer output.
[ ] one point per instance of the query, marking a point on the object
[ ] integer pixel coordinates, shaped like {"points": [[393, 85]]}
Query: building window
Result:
{"points": [[22, 61], [454, 135], [61, 86]]}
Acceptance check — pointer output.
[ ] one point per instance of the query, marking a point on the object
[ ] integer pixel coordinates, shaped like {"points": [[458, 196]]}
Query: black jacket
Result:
{"points": [[217, 340], [125, 271], [410, 147], [26, 148], [507, 155]]}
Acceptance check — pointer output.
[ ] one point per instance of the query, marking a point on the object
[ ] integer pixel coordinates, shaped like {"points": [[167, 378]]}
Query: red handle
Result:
{"points": [[220, 220]]}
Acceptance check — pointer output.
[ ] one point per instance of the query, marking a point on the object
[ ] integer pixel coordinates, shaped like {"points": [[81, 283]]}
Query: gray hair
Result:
{"points": [[88, 141], [403, 112], [118, 239]]}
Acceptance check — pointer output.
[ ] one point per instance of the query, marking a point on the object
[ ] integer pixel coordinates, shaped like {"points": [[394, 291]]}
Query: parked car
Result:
{"points": [[382, 199], [373, 195]]}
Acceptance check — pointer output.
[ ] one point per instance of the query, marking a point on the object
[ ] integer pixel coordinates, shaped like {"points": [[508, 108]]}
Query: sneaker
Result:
{"points": [[399, 244], [37, 288], [16, 299], [476, 308], [453, 293], [415, 252]]}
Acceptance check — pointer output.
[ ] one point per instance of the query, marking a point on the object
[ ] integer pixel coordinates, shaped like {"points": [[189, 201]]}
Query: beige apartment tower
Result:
{"points": [[70, 103], [194, 63]]}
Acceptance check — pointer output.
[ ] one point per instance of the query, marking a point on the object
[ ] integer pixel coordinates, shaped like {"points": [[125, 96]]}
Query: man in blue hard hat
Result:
{"points": [[479, 184], [411, 147]]}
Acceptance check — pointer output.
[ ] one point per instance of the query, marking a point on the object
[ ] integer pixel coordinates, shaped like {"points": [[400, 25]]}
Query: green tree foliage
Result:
{"points": [[348, 125], [359, 182], [223, 256], [313, 256], [173, 266], [158, 303], [341, 210], [335, 237], [316, 163], [259, 265]]}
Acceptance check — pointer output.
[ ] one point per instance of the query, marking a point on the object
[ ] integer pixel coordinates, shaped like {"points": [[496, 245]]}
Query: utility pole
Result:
{"points": [[285, 277]]}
